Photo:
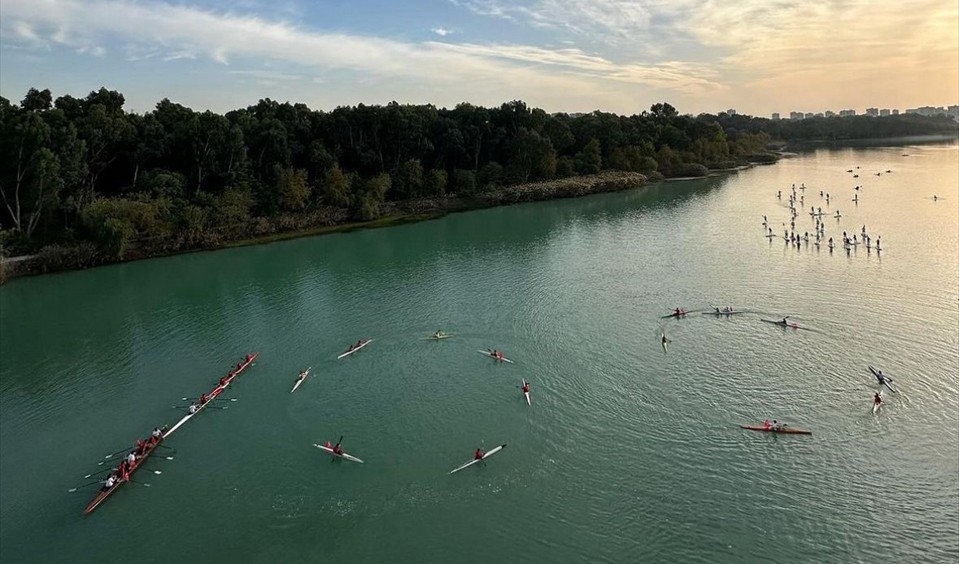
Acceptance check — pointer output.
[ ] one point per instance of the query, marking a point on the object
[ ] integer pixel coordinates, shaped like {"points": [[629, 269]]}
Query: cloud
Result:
{"points": [[185, 32], [442, 31]]}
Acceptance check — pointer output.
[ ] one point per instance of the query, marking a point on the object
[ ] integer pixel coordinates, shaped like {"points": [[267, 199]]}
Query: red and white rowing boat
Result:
{"points": [[213, 394], [102, 495]]}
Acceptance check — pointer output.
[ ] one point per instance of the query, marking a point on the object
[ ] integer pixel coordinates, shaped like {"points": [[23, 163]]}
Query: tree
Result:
{"points": [[589, 160], [336, 187], [408, 180], [435, 184], [292, 190]]}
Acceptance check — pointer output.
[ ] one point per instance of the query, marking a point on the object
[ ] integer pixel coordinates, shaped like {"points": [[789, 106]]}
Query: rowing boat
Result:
{"points": [[494, 357], [883, 379], [782, 323], [102, 495], [783, 429], [475, 460], [528, 402], [353, 350], [300, 379], [212, 395], [345, 456]]}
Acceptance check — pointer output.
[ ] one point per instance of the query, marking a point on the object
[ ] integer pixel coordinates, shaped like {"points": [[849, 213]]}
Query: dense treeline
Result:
{"points": [[82, 170]]}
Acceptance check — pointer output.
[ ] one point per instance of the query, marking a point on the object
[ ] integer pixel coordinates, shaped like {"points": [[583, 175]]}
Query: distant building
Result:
{"points": [[830, 113], [873, 112], [795, 115], [883, 113], [810, 115], [895, 112], [954, 112], [731, 112], [820, 114], [927, 111], [847, 113], [776, 116]]}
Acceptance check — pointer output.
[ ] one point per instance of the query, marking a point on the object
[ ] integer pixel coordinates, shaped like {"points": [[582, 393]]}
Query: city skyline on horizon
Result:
{"points": [[572, 56]]}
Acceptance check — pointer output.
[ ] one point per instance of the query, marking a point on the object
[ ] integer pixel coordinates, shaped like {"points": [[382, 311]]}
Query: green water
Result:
{"points": [[628, 454]]}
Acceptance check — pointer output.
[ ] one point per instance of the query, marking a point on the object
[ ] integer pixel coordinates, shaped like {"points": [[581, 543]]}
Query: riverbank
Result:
{"points": [[58, 258]]}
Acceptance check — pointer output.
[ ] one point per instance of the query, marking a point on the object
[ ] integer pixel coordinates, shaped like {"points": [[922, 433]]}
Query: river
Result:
{"points": [[627, 454]]}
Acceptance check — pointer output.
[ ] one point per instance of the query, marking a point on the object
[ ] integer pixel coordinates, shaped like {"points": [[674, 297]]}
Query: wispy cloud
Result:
{"points": [[442, 31]]}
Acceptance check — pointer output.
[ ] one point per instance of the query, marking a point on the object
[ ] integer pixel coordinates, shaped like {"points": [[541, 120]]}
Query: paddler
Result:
{"points": [[479, 454], [767, 424], [525, 387], [337, 449], [877, 398], [664, 339], [438, 334]]}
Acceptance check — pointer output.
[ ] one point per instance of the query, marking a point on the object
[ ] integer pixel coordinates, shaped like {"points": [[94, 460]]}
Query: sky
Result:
{"points": [[755, 56]]}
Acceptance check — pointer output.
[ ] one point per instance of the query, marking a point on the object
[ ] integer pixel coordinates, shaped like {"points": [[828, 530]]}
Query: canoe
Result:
{"points": [[300, 380], [487, 354], [329, 451], [781, 324], [783, 430], [475, 460], [886, 380]]}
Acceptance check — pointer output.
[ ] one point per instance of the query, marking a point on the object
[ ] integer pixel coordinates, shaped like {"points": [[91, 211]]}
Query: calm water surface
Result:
{"points": [[626, 455]]}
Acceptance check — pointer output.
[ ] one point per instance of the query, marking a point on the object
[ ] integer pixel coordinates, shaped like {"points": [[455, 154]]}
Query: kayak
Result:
{"points": [[439, 337], [528, 402], [674, 314], [782, 324], [475, 460], [353, 350], [503, 359], [300, 379], [784, 430], [886, 380], [329, 451]]}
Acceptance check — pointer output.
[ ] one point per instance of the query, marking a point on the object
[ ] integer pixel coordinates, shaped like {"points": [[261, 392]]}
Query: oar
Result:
{"points": [[88, 476], [132, 481], [117, 453], [71, 490]]}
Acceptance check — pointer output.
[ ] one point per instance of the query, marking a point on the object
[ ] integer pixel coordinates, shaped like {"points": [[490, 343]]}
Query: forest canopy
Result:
{"points": [[85, 170]]}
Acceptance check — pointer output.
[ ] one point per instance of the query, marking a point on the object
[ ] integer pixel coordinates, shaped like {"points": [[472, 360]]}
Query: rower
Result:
{"points": [[203, 399], [224, 380], [141, 447], [248, 358], [767, 424], [131, 459], [239, 366], [109, 482], [776, 425], [157, 435], [479, 454]]}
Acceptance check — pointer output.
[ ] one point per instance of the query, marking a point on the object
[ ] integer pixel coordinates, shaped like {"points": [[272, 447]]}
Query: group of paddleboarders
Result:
{"points": [[793, 237], [129, 462]]}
